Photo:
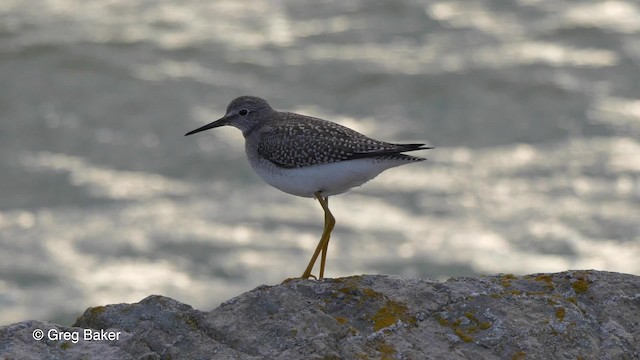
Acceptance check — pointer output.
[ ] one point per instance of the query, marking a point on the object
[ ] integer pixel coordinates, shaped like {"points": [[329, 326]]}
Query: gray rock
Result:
{"points": [[568, 315]]}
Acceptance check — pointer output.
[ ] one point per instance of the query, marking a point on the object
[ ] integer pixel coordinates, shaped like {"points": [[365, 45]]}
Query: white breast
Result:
{"points": [[329, 179]]}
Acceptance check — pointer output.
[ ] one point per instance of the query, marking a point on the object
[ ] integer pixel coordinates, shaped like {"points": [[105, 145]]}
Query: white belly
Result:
{"points": [[329, 179]]}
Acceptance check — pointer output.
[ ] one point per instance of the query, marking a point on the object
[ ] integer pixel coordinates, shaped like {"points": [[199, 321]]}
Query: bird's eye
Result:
{"points": [[243, 112]]}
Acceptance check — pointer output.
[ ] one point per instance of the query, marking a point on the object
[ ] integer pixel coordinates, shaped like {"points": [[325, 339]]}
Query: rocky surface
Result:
{"points": [[567, 315]]}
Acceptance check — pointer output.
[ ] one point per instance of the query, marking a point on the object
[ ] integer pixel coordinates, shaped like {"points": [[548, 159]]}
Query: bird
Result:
{"points": [[310, 157]]}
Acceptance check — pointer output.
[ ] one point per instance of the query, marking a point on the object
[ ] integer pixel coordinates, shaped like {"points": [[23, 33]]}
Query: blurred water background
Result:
{"points": [[533, 106]]}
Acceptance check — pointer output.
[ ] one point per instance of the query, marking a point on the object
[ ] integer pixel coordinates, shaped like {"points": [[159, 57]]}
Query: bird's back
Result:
{"points": [[292, 140]]}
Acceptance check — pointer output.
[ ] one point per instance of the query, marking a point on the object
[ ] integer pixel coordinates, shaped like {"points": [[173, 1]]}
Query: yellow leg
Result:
{"points": [[330, 221], [323, 257]]}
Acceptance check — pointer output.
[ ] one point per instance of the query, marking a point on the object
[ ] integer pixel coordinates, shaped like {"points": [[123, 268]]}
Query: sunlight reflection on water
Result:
{"points": [[532, 107]]}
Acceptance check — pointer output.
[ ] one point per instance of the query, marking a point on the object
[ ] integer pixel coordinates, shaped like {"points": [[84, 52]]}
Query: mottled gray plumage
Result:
{"points": [[294, 140], [290, 140]]}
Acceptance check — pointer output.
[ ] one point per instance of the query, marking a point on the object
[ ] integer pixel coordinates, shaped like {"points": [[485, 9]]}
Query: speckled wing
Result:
{"points": [[294, 141]]}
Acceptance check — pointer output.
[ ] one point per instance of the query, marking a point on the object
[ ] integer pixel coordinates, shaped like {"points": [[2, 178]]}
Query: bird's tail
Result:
{"points": [[413, 147]]}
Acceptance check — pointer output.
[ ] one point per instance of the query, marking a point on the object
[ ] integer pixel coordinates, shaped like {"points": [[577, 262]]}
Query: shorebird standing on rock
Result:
{"points": [[310, 157]]}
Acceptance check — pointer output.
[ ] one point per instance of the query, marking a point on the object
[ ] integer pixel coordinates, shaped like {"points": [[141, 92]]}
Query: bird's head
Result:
{"points": [[244, 113]]}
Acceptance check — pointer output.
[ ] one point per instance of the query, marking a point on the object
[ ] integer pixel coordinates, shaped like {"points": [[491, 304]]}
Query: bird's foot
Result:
{"points": [[287, 280]]}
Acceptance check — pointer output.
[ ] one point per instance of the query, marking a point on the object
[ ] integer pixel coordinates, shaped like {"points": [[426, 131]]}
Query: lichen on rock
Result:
{"points": [[571, 314]]}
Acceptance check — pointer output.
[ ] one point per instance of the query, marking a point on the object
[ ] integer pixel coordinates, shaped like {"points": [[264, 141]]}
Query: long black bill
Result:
{"points": [[215, 124]]}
